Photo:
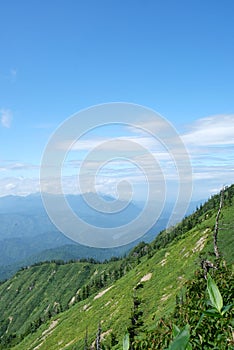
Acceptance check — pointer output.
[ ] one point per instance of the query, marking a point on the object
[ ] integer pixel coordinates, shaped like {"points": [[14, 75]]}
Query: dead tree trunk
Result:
{"points": [[206, 264], [216, 229]]}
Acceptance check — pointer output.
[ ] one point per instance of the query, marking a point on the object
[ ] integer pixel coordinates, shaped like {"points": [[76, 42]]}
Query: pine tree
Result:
{"points": [[136, 319], [86, 339], [98, 337]]}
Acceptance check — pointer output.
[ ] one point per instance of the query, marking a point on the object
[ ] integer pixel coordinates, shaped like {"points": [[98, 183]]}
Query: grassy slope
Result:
{"points": [[26, 296], [169, 267]]}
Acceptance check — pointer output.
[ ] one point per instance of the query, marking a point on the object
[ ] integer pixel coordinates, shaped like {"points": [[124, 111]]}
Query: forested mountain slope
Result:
{"points": [[51, 305], [27, 235]]}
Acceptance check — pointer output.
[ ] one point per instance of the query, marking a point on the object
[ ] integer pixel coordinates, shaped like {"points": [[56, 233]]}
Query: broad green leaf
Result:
{"points": [[214, 293], [226, 308], [212, 313], [181, 340], [126, 342], [176, 331]]}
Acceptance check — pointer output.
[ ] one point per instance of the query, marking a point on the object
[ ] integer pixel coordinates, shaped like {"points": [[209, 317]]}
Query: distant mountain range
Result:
{"points": [[57, 305], [27, 235]]}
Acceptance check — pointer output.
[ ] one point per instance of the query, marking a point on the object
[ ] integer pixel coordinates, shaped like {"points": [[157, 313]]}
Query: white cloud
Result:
{"points": [[9, 166], [6, 118], [210, 143], [216, 130], [18, 186]]}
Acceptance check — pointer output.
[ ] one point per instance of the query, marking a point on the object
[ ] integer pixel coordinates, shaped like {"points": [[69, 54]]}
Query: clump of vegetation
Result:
{"points": [[200, 321], [194, 325]]}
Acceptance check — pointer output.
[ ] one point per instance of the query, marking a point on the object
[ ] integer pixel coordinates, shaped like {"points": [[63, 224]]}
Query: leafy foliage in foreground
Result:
{"points": [[208, 330]]}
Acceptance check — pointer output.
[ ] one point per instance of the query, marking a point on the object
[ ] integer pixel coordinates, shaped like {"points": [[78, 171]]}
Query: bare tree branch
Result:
{"points": [[206, 266]]}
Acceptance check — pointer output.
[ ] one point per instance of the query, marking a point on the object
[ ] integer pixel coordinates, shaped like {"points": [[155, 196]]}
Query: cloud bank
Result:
{"points": [[209, 142]]}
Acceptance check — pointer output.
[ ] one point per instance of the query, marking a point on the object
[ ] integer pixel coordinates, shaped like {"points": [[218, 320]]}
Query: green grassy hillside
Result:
{"points": [[50, 306]]}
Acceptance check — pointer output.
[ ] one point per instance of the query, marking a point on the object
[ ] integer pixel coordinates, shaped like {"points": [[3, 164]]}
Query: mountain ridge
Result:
{"points": [[25, 224], [104, 293]]}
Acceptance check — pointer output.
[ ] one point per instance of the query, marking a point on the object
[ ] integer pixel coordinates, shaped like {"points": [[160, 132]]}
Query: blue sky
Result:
{"points": [[59, 57]]}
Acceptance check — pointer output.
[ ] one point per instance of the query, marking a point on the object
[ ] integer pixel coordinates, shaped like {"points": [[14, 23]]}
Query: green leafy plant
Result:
{"points": [[212, 330], [181, 339], [216, 300], [126, 342]]}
